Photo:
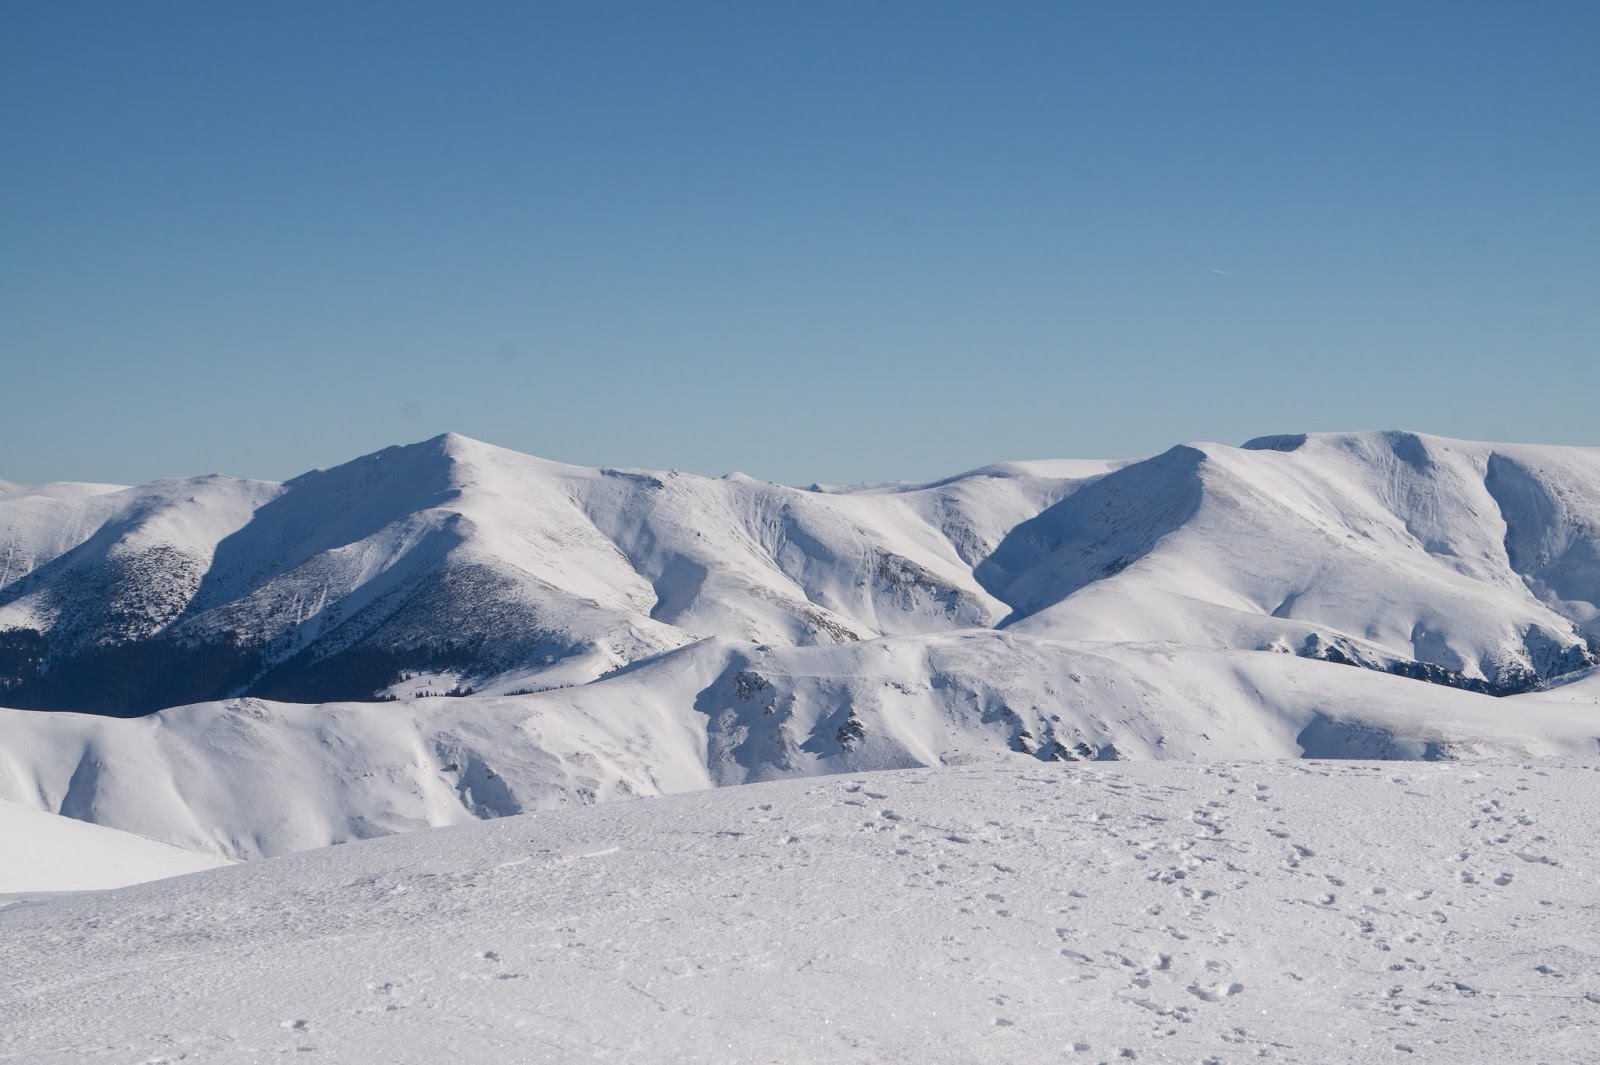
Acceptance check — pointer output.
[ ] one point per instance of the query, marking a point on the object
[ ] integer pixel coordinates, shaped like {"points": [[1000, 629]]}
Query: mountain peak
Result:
{"points": [[455, 443]]}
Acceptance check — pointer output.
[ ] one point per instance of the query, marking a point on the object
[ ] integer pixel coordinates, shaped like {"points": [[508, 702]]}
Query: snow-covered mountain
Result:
{"points": [[626, 633], [1470, 564], [455, 555]]}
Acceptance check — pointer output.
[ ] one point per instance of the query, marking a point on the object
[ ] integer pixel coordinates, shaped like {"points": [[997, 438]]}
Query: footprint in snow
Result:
{"points": [[1214, 994]]}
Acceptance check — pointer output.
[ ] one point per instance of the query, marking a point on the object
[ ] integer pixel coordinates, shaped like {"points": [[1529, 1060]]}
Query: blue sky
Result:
{"points": [[813, 241]]}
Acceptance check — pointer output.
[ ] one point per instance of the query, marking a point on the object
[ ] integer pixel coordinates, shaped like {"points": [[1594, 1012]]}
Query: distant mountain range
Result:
{"points": [[1472, 565], [622, 632]]}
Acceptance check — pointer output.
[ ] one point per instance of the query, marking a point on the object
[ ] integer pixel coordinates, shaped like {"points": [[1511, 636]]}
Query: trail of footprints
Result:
{"points": [[1405, 927], [1174, 988], [1178, 855], [1190, 852]]}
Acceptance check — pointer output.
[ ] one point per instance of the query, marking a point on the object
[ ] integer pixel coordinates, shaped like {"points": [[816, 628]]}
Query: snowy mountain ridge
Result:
{"points": [[619, 633], [1474, 565]]}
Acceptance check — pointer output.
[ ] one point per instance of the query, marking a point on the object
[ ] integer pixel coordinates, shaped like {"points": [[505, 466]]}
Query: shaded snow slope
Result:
{"points": [[249, 777], [42, 853], [1154, 912]]}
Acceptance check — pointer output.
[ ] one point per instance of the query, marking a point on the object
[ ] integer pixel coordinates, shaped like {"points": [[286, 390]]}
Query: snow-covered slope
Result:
{"points": [[43, 853], [1471, 564], [248, 777], [1271, 911]]}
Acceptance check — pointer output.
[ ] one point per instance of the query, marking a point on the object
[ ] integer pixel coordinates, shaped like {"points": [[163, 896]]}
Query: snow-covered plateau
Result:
{"points": [[1279, 752]]}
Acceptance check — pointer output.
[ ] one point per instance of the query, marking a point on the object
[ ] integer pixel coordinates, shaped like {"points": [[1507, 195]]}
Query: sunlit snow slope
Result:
{"points": [[1471, 564], [1268, 911], [41, 853]]}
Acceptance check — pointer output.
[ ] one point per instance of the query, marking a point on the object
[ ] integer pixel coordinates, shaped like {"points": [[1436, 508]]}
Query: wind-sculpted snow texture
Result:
{"points": [[1267, 911]]}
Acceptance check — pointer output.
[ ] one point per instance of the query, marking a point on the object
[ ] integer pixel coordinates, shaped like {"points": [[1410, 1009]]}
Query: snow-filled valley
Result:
{"points": [[1280, 752]]}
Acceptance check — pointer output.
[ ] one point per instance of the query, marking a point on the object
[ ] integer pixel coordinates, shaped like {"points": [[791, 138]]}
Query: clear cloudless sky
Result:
{"points": [[812, 241]]}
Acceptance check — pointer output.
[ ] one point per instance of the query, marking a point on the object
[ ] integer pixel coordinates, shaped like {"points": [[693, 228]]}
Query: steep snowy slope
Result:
{"points": [[1471, 564], [248, 777], [41, 853], [1164, 912], [95, 576]]}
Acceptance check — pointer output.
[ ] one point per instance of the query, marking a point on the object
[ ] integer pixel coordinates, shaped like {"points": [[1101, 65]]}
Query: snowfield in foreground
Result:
{"points": [[1161, 911]]}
